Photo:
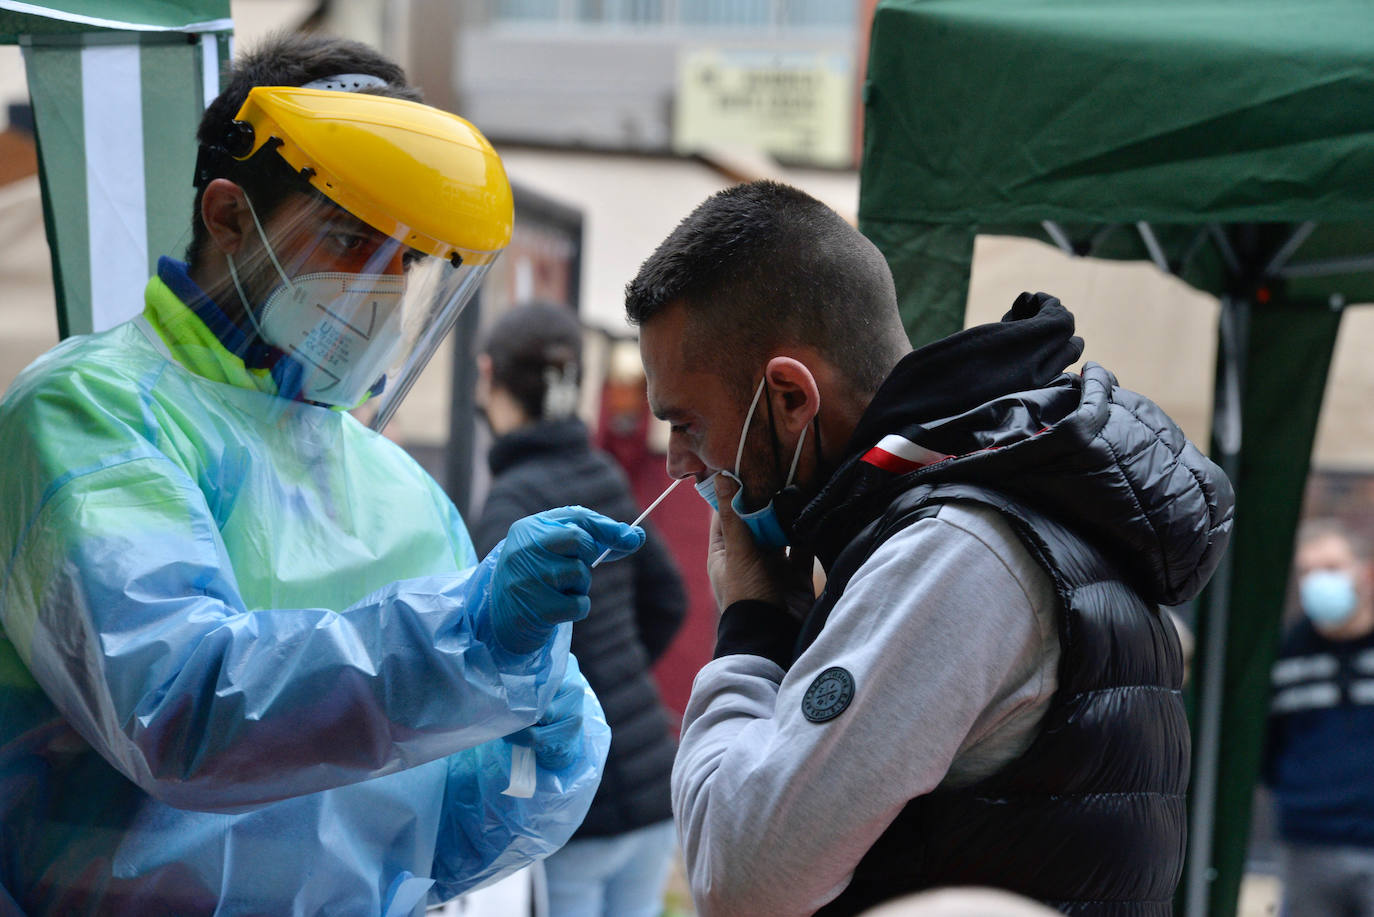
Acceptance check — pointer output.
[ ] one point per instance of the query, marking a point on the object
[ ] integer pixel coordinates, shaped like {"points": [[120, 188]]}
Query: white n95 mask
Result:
{"points": [[340, 329], [343, 330]]}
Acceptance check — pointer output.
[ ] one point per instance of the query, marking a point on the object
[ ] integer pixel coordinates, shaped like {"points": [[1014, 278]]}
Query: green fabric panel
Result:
{"points": [[14, 26], [930, 265], [1287, 356], [161, 14], [224, 41], [172, 107], [1119, 110], [54, 76]]}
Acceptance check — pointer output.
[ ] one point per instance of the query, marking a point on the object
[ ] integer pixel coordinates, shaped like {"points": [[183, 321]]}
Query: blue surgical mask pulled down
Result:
{"points": [[762, 523], [1328, 596]]}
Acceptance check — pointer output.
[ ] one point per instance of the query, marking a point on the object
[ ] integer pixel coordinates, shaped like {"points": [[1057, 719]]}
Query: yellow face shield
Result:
{"points": [[423, 176], [360, 287]]}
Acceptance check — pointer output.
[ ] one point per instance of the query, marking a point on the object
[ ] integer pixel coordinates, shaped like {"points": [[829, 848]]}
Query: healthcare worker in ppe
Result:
{"points": [[249, 662]]}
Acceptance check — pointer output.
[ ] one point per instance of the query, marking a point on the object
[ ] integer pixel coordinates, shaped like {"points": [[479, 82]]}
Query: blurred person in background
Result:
{"points": [[1319, 751], [530, 370], [249, 660], [986, 691]]}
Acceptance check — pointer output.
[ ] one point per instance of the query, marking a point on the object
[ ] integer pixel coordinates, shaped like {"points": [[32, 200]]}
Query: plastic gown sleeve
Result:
{"points": [[483, 837], [121, 599]]}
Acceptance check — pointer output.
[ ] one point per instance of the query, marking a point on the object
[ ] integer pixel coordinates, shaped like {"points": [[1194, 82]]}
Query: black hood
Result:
{"points": [[565, 436], [1103, 460], [1032, 345]]}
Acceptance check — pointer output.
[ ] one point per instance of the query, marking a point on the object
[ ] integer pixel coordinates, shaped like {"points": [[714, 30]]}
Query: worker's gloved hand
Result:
{"points": [[544, 571], [557, 735]]}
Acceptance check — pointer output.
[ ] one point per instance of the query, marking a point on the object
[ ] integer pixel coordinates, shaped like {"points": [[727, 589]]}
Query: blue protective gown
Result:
{"points": [[246, 665]]}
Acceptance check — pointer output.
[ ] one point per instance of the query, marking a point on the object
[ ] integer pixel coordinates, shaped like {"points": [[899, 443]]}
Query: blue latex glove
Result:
{"points": [[557, 735], [544, 571]]}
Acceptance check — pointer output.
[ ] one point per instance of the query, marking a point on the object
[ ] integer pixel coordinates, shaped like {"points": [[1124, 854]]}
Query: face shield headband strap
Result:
{"points": [[748, 418]]}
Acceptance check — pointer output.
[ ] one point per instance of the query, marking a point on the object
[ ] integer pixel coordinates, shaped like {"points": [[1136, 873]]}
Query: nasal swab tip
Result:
{"points": [[642, 516]]}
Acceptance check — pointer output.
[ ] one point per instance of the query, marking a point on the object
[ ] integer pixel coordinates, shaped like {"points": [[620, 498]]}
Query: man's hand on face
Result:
{"points": [[738, 568]]}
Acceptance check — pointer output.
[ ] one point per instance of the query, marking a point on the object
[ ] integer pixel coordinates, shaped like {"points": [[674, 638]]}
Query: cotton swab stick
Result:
{"points": [[642, 516]]}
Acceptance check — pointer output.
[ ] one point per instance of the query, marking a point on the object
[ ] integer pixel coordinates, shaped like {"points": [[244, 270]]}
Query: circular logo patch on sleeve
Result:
{"points": [[828, 695]]}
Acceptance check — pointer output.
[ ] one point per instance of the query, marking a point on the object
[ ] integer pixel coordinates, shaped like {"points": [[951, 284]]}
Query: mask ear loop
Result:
{"points": [[748, 418], [243, 298], [234, 274], [268, 245], [791, 472], [739, 454]]}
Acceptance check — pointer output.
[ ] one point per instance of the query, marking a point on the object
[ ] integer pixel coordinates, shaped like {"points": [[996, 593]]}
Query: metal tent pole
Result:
{"points": [[1233, 328]]}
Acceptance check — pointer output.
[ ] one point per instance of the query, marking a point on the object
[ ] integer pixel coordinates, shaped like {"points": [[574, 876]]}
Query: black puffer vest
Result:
{"points": [[1124, 514], [1090, 820]]}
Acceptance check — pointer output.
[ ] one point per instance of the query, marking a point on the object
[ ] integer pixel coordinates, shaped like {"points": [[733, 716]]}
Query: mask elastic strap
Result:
{"points": [[791, 472], [739, 453], [268, 245], [247, 306]]}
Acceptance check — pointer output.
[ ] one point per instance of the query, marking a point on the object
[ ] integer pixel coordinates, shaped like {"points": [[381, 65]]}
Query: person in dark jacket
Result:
{"points": [[617, 862], [985, 692], [1318, 751]]}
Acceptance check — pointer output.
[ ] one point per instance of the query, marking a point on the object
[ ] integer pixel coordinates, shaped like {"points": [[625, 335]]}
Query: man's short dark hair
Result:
{"points": [[284, 59], [528, 342], [764, 264]]}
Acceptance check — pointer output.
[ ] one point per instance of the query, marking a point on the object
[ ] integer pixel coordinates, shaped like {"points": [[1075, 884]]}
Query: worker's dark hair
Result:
{"points": [[283, 59], [536, 355], [762, 265]]}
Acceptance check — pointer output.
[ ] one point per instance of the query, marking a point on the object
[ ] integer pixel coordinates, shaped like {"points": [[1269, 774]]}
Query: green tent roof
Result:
{"points": [[998, 111], [1073, 121]]}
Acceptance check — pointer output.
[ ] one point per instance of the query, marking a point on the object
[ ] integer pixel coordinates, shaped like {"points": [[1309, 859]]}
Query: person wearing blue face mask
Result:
{"points": [[763, 523], [985, 691], [1319, 750]]}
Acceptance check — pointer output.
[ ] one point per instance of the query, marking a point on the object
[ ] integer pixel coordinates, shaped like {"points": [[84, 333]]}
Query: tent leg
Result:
{"points": [[1227, 425]]}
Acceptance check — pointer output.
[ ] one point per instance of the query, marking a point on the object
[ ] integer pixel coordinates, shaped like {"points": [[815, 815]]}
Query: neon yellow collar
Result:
{"points": [[195, 346]]}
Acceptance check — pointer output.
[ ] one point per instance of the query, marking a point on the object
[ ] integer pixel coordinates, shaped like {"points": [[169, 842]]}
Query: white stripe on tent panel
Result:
{"points": [[209, 67], [112, 109]]}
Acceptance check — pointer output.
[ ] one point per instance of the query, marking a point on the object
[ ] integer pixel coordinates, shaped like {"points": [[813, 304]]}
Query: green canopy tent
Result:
{"points": [[118, 87], [1231, 143]]}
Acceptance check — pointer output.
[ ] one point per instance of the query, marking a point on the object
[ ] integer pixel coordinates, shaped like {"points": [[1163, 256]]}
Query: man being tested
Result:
{"points": [[251, 664], [985, 692]]}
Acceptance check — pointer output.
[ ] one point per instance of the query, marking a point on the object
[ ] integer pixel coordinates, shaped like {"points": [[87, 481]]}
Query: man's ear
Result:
{"points": [[224, 210], [795, 393]]}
